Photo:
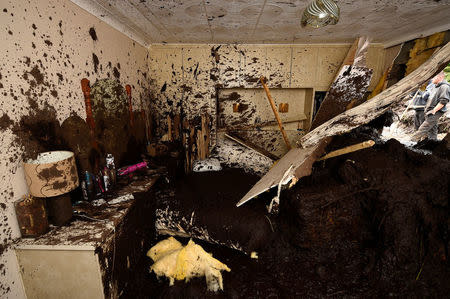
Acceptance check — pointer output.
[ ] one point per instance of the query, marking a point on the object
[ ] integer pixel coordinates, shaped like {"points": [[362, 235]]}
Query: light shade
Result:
{"points": [[321, 13], [51, 174]]}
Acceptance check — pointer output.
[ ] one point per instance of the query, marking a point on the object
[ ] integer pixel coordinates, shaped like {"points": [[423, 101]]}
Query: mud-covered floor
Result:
{"points": [[371, 223]]}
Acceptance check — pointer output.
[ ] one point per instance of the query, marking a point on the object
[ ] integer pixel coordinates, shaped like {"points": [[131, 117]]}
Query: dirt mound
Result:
{"points": [[371, 223], [376, 217]]}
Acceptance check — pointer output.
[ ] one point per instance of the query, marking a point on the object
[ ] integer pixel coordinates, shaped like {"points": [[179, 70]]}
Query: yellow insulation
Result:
{"points": [[178, 262], [422, 50]]}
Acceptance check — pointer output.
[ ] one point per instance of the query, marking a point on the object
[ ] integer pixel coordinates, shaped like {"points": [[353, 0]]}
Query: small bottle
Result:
{"points": [[90, 188], [112, 168], [100, 182], [84, 190], [106, 181]]}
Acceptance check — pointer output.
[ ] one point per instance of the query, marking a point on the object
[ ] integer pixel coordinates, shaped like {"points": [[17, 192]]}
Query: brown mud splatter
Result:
{"points": [[5, 122], [116, 73], [95, 61], [49, 173], [75, 133], [186, 88], [37, 75], [93, 34], [251, 79]]}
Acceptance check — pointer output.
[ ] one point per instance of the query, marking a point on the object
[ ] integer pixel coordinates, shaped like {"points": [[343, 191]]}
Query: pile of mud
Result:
{"points": [[370, 223]]}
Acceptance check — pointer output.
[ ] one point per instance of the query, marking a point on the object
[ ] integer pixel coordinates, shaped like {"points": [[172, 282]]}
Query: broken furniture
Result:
{"points": [[93, 256], [52, 175]]}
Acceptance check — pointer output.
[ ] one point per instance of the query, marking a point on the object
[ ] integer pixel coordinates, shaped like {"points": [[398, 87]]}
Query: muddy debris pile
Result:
{"points": [[370, 223]]}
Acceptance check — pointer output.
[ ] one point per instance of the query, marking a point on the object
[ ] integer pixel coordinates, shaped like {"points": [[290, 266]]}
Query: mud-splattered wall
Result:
{"points": [[187, 76], [47, 48]]}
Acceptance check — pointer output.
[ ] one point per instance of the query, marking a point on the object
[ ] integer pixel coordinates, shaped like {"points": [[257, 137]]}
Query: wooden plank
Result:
{"points": [[350, 86], [379, 104], [169, 129], [176, 127], [238, 139], [350, 57], [130, 105], [275, 112], [298, 119], [348, 149], [299, 160], [352, 80]]}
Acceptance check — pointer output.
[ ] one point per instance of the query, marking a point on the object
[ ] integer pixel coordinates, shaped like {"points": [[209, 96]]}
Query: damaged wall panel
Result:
{"points": [[188, 75], [47, 48]]}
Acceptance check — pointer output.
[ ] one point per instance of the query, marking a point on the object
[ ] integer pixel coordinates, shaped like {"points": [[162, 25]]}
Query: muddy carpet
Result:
{"points": [[372, 223]]}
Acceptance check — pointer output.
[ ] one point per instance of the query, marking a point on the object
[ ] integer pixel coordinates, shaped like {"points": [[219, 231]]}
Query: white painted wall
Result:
{"points": [[52, 37]]}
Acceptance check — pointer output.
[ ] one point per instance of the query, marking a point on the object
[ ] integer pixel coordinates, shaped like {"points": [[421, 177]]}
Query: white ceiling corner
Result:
{"points": [[388, 22]]}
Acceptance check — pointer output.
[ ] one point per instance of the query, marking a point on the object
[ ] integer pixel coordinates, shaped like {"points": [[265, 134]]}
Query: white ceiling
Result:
{"points": [[388, 22]]}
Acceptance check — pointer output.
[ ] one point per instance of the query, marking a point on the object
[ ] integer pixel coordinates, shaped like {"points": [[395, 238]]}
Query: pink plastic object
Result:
{"points": [[132, 168]]}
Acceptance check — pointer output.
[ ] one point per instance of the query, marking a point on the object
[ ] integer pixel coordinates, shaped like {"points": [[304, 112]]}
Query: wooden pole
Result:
{"points": [[88, 104], [130, 106], [85, 87], [348, 149], [409, 105], [274, 109]]}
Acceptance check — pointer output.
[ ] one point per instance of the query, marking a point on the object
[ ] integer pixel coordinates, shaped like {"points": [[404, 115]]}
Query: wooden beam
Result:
{"points": [[238, 139], [298, 160], [274, 109], [379, 104], [348, 149], [349, 86], [130, 105]]}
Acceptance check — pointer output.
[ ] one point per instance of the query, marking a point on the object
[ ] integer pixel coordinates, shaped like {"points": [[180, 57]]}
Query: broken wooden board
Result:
{"points": [[348, 149], [336, 101], [379, 104], [348, 89], [249, 145], [298, 161]]}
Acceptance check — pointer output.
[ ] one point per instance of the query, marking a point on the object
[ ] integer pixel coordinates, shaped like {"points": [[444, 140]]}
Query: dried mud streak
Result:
{"points": [[93, 34]]}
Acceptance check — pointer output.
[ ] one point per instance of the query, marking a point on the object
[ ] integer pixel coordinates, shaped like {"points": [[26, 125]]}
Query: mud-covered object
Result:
{"points": [[378, 217], [75, 135], [233, 155], [112, 122], [203, 207], [210, 164]]}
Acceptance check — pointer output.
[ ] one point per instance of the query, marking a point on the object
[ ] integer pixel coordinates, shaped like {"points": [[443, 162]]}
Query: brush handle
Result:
{"points": [[130, 106]]}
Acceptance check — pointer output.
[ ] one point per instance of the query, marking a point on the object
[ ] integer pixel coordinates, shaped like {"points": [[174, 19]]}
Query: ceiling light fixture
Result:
{"points": [[320, 13]]}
